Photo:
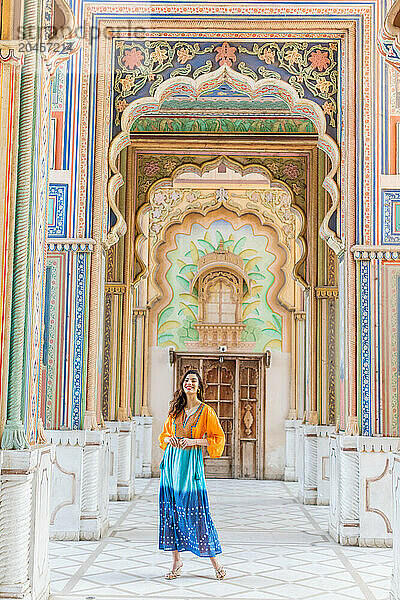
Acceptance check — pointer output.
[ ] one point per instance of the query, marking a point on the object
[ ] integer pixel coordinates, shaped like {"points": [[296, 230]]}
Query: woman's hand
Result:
{"points": [[174, 441], [186, 442]]}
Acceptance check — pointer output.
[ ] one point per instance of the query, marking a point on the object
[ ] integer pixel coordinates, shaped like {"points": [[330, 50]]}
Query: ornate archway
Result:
{"points": [[195, 89]]}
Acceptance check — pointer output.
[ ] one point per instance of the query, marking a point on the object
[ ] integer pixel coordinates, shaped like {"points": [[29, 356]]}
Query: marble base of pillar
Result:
{"points": [[113, 427], [308, 481], [376, 499], [345, 499], [395, 588], [126, 463], [334, 479], [361, 510], [79, 498], [143, 445], [291, 426], [299, 441], [24, 523], [349, 497], [323, 432]]}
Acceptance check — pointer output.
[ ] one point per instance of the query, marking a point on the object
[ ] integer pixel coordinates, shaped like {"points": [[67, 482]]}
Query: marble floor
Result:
{"points": [[274, 548]]}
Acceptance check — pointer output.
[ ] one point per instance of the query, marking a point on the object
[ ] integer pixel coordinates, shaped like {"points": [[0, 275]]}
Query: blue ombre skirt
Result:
{"points": [[185, 520]]}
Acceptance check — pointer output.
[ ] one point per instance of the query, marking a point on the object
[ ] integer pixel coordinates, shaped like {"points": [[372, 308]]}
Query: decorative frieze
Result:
{"points": [[376, 252], [71, 244], [327, 292], [115, 288]]}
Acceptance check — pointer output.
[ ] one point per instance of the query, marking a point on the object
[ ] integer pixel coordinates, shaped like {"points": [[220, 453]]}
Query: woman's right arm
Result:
{"points": [[167, 433]]}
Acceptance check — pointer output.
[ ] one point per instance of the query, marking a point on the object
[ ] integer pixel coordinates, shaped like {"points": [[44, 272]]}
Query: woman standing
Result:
{"points": [[185, 520]]}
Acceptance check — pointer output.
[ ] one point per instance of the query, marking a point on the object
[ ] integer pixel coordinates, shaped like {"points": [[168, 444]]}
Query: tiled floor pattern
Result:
{"points": [[274, 548]]}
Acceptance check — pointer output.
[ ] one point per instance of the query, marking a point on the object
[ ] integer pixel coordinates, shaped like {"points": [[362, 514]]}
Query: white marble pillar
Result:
{"points": [[300, 459], [147, 445], [323, 432], [113, 427], [308, 482], [24, 523], [334, 482], [79, 496], [143, 445], [395, 588], [376, 500], [139, 445], [349, 497], [126, 464], [290, 449], [361, 511], [299, 462]]}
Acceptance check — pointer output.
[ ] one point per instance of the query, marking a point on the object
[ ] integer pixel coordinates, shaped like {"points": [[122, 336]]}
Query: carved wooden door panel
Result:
{"points": [[185, 363], [219, 393], [233, 388], [249, 426]]}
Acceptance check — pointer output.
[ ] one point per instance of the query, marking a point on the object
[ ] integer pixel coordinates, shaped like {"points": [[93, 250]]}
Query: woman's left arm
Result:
{"points": [[215, 435]]}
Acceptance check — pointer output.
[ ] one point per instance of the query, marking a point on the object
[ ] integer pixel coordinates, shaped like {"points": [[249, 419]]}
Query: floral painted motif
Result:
{"points": [[319, 60], [291, 171], [310, 67], [293, 56], [133, 58], [268, 56], [225, 54]]}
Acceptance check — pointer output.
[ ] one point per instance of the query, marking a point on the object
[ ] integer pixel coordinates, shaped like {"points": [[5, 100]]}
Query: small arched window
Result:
{"points": [[220, 302], [220, 298]]}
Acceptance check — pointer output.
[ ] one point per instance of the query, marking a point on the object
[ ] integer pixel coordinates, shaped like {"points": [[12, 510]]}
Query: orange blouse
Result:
{"points": [[203, 423]]}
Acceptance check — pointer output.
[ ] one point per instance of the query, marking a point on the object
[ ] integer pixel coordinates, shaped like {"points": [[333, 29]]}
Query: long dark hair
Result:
{"points": [[179, 399]]}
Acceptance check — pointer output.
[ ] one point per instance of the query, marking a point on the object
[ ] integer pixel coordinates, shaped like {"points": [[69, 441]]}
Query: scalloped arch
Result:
{"points": [[148, 256], [255, 90]]}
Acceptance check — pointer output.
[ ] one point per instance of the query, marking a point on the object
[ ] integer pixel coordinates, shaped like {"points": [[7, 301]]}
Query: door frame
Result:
{"points": [[261, 421]]}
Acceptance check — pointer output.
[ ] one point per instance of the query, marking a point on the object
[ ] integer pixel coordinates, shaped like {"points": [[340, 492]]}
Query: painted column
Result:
{"points": [[14, 436], [124, 410], [300, 374], [10, 73]]}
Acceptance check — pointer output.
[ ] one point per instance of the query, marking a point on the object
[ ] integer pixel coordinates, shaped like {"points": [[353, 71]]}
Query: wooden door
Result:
{"points": [[233, 387], [219, 393], [249, 421]]}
